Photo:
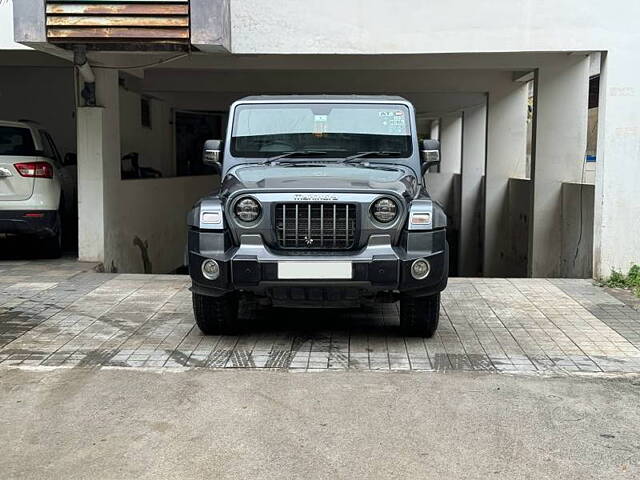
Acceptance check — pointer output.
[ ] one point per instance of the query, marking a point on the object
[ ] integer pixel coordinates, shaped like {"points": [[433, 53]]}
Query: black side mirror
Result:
{"points": [[429, 154], [70, 159], [212, 154]]}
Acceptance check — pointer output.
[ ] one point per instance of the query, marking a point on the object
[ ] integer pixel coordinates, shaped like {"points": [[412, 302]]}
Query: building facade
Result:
{"points": [[153, 78]]}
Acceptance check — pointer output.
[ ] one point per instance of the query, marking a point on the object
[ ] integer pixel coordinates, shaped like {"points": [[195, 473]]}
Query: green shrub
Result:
{"points": [[631, 281]]}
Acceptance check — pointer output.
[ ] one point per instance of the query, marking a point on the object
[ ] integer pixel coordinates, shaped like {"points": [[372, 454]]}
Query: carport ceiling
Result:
{"points": [[481, 61], [435, 92]]}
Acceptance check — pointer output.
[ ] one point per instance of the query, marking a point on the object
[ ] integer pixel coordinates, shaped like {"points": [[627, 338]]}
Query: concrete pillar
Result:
{"points": [[98, 131], [451, 143], [435, 130], [474, 134], [559, 146], [506, 150], [444, 186], [617, 204]]}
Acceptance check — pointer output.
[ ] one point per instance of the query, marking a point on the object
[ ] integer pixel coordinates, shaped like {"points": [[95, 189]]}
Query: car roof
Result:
{"points": [[326, 98], [21, 123]]}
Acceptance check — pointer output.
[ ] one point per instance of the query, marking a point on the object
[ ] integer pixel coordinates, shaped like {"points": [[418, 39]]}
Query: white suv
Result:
{"points": [[31, 185]]}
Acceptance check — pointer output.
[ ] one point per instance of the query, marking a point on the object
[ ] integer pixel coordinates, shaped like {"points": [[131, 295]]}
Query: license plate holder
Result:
{"points": [[300, 270]]}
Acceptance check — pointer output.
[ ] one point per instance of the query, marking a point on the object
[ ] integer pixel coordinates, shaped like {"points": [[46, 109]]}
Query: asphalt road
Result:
{"points": [[123, 423]]}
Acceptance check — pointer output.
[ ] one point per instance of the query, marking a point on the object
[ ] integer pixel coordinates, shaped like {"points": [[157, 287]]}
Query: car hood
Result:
{"points": [[322, 178]]}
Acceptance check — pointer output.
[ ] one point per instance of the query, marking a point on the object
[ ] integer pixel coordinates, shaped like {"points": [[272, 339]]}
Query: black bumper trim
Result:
{"points": [[15, 222], [380, 274]]}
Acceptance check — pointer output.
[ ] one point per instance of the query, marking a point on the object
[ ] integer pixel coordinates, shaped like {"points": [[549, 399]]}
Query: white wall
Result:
{"points": [[560, 128], [430, 26], [617, 209], [155, 144], [6, 27]]}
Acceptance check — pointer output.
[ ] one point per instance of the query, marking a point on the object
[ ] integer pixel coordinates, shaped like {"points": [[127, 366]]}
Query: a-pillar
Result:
{"points": [[474, 134], [559, 147], [98, 131], [506, 151]]}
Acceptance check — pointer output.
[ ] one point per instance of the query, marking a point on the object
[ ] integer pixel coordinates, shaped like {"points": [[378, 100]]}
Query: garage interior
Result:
{"points": [[517, 173]]}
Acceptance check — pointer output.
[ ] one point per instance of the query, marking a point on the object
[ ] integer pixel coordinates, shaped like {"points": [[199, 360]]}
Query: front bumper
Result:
{"points": [[378, 267], [15, 222]]}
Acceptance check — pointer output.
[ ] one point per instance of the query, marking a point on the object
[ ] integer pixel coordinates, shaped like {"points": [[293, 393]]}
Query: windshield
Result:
{"points": [[16, 141], [333, 130]]}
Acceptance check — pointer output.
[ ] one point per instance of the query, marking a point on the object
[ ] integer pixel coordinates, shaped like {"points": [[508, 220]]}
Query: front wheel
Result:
{"points": [[216, 315], [419, 316]]}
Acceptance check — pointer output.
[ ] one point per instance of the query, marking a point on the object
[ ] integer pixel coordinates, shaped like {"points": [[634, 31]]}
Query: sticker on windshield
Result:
{"points": [[393, 122], [320, 125]]}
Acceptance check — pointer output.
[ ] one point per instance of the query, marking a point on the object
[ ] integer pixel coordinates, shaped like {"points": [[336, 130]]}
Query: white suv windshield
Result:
{"points": [[333, 130]]}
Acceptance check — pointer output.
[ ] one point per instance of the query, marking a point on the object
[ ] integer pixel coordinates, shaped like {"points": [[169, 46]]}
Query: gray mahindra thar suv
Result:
{"points": [[322, 203]]}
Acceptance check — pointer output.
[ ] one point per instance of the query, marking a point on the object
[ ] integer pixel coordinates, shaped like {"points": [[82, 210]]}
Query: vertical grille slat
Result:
{"points": [[309, 221], [284, 225], [307, 225], [346, 224], [322, 225], [296, 225], [334, 226]]}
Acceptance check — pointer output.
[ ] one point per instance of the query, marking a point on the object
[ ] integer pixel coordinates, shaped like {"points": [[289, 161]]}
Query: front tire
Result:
{"points": [[216, 315], [419, 316]]}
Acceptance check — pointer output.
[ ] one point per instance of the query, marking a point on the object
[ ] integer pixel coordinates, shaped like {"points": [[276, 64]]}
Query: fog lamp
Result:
{"points": [[420, 269], [210, 269]]}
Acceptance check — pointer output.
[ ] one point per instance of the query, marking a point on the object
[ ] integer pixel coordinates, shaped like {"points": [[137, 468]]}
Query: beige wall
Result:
{"points": [[154, 211]]}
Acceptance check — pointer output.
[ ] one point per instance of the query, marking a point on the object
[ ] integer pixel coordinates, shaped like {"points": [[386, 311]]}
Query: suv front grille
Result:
{"points": [[320, 226]]}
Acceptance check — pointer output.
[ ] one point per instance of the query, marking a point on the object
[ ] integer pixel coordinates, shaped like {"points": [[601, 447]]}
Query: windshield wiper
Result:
{"points": [[373, 153], [294, 153]]}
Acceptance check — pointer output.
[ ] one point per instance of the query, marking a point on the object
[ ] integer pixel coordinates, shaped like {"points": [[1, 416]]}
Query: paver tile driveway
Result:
{"points": [[62, 313]]}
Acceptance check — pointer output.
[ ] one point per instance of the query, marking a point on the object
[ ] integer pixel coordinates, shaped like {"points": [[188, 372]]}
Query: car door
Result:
{"points": [[17, 150]]}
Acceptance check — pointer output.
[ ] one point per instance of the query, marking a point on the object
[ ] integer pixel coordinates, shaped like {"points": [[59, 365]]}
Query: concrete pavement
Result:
{"points": [[79, 423]]}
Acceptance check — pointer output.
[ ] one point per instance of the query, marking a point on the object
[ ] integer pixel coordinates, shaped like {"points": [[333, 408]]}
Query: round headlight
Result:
{"points": [[247, 209], [384, 210]]}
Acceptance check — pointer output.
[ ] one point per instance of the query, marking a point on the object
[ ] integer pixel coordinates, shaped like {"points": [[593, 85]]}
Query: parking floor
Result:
{"points": [[64, 314]]}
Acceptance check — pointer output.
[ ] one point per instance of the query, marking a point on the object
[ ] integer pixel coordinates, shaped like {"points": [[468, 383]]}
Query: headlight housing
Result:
{"points": [[384, 210], [247, 209]]}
